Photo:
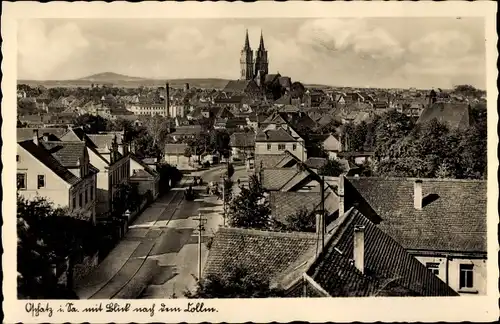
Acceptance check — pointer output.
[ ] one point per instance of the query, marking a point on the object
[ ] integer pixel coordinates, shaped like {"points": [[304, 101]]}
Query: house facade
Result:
{"points": [[40, 174], [277, 141], [441, 222]]}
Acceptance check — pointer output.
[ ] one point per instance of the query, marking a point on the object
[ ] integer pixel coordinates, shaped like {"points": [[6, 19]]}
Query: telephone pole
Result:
{"points": [[201, 228]]}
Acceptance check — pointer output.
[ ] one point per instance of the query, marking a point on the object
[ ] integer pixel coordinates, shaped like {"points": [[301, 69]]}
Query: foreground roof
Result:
{"points": [[388, 269], [263, 252], [453, 217]]}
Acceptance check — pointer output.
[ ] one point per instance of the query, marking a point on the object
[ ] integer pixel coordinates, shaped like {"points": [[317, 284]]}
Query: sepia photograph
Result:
{"points": [[267, 158]]}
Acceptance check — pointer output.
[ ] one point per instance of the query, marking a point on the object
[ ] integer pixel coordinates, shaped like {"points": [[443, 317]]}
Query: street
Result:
{"points": [[158, 257]]}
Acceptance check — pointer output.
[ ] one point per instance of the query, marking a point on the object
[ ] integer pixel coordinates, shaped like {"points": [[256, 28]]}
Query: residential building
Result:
{"points": [[276, 141], [242, 145], [175, 154], [146, 178], [441, 222], [114, 168], [60, 172], [186, 132]]}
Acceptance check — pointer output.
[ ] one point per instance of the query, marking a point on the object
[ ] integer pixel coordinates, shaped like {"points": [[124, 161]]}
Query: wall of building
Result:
{"points": [[87, 187], [479, 272], [179, 161], [299, 151], [55, 190]]}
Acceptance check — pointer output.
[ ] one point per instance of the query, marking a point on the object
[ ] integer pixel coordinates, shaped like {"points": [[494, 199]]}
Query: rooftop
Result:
{"points": [[453, 215]]}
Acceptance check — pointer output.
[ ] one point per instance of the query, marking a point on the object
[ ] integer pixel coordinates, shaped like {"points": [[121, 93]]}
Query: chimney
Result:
{"points": [[359, 247], [45, 137], [167, 100], [35, 137], [341, 195], [417, 194]]}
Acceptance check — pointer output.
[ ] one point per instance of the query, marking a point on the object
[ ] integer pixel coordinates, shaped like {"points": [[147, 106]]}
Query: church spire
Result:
{"points": [[247, 42], [261, 45]]}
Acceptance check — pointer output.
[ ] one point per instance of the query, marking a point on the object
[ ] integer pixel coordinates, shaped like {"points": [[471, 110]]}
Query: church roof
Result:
{"points": [[237, 85]]}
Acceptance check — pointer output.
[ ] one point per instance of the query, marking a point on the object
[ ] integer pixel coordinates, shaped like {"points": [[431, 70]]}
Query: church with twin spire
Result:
{"points": [[250, 68]]}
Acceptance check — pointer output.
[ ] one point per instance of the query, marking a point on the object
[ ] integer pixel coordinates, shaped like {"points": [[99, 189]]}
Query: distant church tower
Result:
{"points": [[246, 61], [261, 61]]}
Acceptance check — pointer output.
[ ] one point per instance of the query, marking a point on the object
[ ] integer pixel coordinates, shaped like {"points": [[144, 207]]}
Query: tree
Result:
{"points": [[157, 127], [301, 221], [47, 237], [228, 189], [238, 282], [250, 209], [332, 168], [126, 197], [391, 127], [91, 124], [169, 175]]}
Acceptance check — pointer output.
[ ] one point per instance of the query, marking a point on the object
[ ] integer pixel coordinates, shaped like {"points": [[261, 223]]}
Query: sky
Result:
{"points": [[372, 52]]}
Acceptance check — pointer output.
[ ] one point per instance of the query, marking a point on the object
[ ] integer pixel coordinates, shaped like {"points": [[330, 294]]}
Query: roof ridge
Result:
{"points": [[259, 232], [416, 178]]}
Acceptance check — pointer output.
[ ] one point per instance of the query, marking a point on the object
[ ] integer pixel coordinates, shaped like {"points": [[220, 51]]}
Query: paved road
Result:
{"points": [[158, 258]]}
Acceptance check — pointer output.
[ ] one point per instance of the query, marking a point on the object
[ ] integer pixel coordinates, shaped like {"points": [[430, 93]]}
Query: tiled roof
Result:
{"points": [[103, 140], [274, 135], [298, 180], [42, 155], [67, 153], [24, 134], [455, 115], [284, 204], [237, 85], [175, 148], [274, 179], [242, 140], [453, 217], [316, 162], [267, 160], [263, 252], [187, 130], [76, 134], [386, 263]]}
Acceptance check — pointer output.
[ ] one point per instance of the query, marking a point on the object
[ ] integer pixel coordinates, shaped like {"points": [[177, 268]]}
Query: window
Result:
{"points": [[17, 158], [466, 276], [268, 147], [74, 202], [92, 192], [80, 200], [41, 181], [433, 267], [294, 147], [21, 181], [86, 197], [281, 147]]}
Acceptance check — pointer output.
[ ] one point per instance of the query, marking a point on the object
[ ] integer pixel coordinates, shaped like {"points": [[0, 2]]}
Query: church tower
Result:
{"points": [[246, 61], [261, 61]]}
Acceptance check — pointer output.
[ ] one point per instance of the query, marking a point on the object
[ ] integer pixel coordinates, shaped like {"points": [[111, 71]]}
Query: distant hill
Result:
{"points": [[109, 77], [119, 80], [126, 81]]}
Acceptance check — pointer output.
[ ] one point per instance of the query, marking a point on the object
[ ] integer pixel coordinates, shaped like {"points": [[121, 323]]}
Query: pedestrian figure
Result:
{"points": [[239, 182]]}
